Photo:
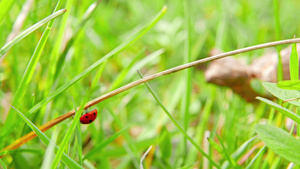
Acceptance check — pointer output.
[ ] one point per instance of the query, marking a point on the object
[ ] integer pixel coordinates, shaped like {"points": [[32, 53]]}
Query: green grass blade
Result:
{"points": [[76, 118], [294, 63], [131, 149], [179, 127], [278, 37], [224, 154], [255, 157], [227, 156], [104, 143], [280, 141], [238, 152], [56, 49], [78, 137], [48, 156], [2, 164], [289, 84], [61, 59], [79, 143], [28, 31], [187, 59], [147, 60], [281, 109], [117, 82], [64, 144], [185, 114], [68, 84], [298, 126], [66, 159], [21, 90]]}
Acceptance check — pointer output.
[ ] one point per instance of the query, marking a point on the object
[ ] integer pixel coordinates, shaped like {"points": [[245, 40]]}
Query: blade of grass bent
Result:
{"points": [[28, 31], [76, 118], [108, 95], [68, 84], [21, 90], [66, 159], [281, 109], [178, 126]]}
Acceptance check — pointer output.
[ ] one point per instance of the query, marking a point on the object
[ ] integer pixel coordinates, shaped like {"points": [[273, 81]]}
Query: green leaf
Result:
{"points": [[28, 31], [281, 109], [294, 63], [280, 141], [289, 84], [282, 93], [65, 158]]}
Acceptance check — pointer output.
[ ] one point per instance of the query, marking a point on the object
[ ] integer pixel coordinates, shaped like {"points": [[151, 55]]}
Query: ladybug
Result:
{"points": [[88, 117]]}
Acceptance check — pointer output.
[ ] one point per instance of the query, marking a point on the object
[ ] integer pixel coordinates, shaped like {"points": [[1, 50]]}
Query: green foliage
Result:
{"points": [[44, 71], [28, 31], [178, 126], [281, 109], [294, 63], [278, 37], [104, 143], [65, 158], [282, 93], [289, 85], [280, 141], [165, 144]]}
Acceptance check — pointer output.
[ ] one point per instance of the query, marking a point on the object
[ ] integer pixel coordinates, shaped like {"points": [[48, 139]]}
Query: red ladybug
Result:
{"points": [[88, 117]]}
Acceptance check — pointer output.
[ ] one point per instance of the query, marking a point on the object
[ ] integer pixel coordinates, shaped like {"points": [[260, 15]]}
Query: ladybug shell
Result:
{"points": [[89, 117]]}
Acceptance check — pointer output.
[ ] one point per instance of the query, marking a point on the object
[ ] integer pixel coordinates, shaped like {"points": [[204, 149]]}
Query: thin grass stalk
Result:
{"points": [[53, 122]]}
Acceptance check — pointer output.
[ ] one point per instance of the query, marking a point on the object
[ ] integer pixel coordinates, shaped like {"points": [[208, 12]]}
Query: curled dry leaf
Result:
{"points": [[237, 75]]}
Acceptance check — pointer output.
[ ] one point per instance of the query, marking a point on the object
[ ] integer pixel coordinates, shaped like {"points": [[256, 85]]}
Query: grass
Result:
{"points": [[114, 39]]}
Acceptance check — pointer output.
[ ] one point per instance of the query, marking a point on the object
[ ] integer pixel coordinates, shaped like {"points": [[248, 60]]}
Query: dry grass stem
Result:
{"points": [[51, 123]]}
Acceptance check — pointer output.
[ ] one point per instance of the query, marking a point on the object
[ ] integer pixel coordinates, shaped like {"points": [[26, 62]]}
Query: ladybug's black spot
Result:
{"points": [[90, 121], [94, 114], [86, 116]]}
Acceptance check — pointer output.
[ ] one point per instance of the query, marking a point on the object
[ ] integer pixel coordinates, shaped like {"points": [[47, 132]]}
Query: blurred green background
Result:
{"points": [[226, 25]]}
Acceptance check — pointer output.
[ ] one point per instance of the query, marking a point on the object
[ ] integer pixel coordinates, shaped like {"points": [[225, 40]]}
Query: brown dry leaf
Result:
{"points": [[237, 75]]}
